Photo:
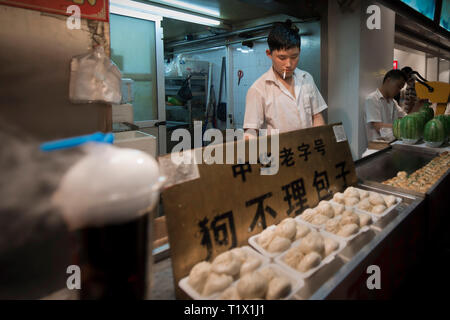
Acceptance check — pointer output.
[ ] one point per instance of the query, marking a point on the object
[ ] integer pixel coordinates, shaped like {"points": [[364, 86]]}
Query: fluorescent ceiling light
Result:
{"points": [[189, 6], [136, 9]]}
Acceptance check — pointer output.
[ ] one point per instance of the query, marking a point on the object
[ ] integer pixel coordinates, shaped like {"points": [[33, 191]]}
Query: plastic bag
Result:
{"points": [[94, 78]]}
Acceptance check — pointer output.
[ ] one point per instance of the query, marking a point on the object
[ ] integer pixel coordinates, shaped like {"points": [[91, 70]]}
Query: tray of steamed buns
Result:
{"points": [[239, 273], [310, 253], [270, 282], [376, 204], [337, 219], [275, 240]]}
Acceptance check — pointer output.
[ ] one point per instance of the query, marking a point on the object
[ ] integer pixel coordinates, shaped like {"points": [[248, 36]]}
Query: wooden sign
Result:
{"points": [[221, 205], [90, 9]]}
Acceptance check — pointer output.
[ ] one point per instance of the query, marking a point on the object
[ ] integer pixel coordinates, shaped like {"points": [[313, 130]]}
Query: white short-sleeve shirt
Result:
{"points": [[269, 105], [378, 109]]}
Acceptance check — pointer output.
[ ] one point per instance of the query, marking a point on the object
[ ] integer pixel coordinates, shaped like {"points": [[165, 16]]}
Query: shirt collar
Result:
{"points": [[271, 76], [379, 95]]}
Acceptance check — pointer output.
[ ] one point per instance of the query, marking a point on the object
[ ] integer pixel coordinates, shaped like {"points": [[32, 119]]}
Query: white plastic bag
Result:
{"points": [[94, 78]]}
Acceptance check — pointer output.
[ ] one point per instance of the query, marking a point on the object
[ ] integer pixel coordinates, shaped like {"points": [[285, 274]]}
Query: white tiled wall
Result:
{"points": [[253, 64]]}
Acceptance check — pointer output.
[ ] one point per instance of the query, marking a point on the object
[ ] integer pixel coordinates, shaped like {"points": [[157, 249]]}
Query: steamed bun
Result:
{"points": [[308, 214], [230, 293], [266, 237], [390, 200], [379, 209], [227, 263], [351, 192], [330, 245], [349, 219], [267, 273], [302, 231], [365, 205], [332, 225], [293, 257], [324, 208], [311, 260], [364, 219], [339, 198], [319, 219], [348, 230], [216, 283], [278, 288], [312, 242], [251, 264], [376, 199], [198, 275], [252, 285], [351, 201], [338, 209], [363, 194], [287, 229], [279, 244]]}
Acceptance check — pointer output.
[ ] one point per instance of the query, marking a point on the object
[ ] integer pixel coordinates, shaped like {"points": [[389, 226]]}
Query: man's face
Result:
{"points": [[284, 60], [393, 86]]}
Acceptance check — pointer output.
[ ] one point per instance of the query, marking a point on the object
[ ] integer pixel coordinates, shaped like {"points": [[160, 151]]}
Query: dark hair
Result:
{"points": [[283, 35], [407, 70], [395, 74]]}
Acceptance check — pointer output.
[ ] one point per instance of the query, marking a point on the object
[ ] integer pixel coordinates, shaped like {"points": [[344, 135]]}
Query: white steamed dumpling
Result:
{"points": [[364, 219], [376, 199], [293, 257], [279, 244], [310, 261], [351, 192], [312, 242], [287, 229], [308, 214], [330, 245], [216, 283], [230, 293], [339, 198], [324, 208], [227, 263], [351, 201], [252, 285], [302, 231], [251, 264], [379, 209], [198, 275], [278, 288], [266, 237], [348, 230], [319, 219]]}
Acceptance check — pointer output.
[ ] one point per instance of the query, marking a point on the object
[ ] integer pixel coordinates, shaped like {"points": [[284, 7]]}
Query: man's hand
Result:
{"points": [[379, 125], [318, 120]]}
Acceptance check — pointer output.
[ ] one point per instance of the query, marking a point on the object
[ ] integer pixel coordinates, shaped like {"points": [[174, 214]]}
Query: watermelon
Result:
{"points": [[445, 122], [409, 129], [396, 128], [422, 118], [434, 134], [428, 111]]}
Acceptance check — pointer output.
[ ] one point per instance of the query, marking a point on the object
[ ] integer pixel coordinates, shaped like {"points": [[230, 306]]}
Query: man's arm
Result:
{"points": [[318, 120], [379, 125]]}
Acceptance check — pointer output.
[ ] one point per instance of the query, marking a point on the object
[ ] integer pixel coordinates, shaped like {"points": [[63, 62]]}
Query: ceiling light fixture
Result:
{"points": [[189, 6], [141, 10]]}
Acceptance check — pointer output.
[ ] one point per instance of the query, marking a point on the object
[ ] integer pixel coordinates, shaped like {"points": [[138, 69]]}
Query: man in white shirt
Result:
{"points": [[284, 98], [380, 106]]}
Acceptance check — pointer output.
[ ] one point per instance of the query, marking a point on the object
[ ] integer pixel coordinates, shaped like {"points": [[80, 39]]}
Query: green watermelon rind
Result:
{"points": [[431, 132], [409, 136], [396, 128], [428, 112]]}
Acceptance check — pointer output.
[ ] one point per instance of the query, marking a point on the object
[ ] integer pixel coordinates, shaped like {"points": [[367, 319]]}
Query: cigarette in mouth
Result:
{"points": [[284, 74]]}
